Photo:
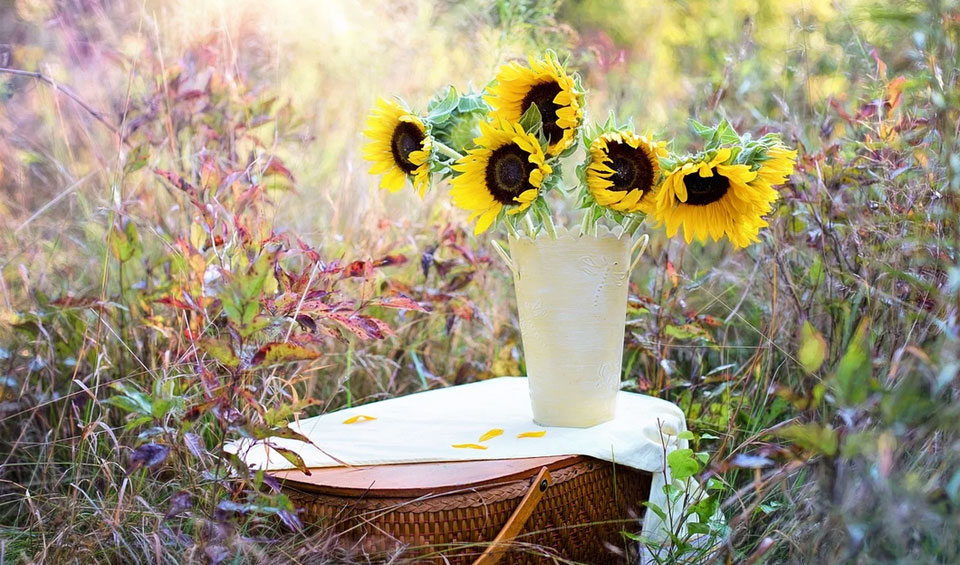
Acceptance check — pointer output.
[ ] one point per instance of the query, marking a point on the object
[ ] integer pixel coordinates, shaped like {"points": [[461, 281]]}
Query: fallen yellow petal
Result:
{"points": [[541, 433], [491, 434], [468, 446], [358, 418]]}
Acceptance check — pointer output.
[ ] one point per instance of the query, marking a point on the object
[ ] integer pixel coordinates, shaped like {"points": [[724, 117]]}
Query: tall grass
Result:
{"points": [[818, 368]]}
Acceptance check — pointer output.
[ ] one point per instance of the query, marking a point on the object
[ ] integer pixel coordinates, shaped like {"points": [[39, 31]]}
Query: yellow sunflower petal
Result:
{"points": [[486, 219], [359, 418], [468, 446], [491, 434]]}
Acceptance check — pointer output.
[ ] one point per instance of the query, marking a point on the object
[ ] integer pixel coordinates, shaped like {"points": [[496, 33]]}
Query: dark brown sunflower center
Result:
{"points": [[508, 173], [632, 168], [406, 139], [705, 190], [542, 95]]}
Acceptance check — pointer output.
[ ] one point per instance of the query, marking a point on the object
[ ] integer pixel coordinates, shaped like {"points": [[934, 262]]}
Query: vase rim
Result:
{"points": [[602, 232]]}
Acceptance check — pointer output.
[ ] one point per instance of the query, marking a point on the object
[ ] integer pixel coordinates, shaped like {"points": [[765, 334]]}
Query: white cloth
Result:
{"points": [[424, 427]]}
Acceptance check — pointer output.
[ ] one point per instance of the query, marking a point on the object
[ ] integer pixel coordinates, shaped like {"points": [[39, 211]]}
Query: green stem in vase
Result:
{"points": [[511, 228], [585, 224], [634, 225], [531, 229], [549, 225]]}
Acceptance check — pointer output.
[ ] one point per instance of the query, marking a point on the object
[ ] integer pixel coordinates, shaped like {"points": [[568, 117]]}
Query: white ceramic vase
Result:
{"points": [[572, 303]]}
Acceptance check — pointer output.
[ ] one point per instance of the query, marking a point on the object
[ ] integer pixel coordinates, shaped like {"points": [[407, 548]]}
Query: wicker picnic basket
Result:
{"points": [[509, 510]]}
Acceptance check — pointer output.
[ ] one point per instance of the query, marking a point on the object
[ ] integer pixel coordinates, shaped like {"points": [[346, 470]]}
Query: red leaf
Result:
{"points": [[271, 482], [463, 311], [190, 94], [176, 303], [881, 66], [358, 269], [263, 432], [194, 444], [710, 320], [147, 455], [894, 91], [277, 352], [382, 329], [459, 281], [363, 327], [276, 166], [198, 410], [840, 111], [217, 241], [672, 273], [390, 260], [399, 302], [179, 502], [291, 456], [310, 252], [230, 179], [177, 181], [307, 323], [290, 519]]}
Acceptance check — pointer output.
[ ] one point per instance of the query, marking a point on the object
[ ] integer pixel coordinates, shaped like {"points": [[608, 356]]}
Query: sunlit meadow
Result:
{"points": [[169, 169]]}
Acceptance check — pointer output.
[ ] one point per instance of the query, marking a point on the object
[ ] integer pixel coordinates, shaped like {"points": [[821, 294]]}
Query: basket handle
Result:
{"points": [[504, 254], [641, 242], [518, 519]]}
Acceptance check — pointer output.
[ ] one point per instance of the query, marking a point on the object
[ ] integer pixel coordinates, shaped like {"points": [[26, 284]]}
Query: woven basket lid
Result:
{"points": [[419, 479]]}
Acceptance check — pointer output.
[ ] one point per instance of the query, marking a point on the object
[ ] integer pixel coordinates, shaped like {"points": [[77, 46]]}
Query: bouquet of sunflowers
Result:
{"points": [[503, 149]]}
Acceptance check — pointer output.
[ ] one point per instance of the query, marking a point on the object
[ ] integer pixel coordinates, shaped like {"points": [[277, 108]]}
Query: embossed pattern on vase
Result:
{"points": [[571, 300]]}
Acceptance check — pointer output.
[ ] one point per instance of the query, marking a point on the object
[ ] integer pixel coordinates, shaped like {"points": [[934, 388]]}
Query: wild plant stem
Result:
{"points": [[69, 93], [445, 149]]}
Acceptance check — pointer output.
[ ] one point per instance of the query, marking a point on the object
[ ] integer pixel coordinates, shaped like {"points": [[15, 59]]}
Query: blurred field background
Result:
{"points": [[819, 369]]}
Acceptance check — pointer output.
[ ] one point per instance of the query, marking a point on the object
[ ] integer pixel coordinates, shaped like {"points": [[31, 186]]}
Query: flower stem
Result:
{"points": [[548, 224], [587, 212], [447, 150], [510, 228], [531, 230]]}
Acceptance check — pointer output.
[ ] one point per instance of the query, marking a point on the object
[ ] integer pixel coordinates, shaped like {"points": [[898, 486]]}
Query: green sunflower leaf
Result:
{"points": [[726, 135], [440, 108], [705, 132], [542, 139], [750, 155], [472, 102], [532, 121], [611, 122]]}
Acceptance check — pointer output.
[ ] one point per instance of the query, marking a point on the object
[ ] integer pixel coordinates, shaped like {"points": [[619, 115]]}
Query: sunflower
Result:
{"points": [[624, 169], [778, 165], [506, 169], [546, 84], [712, 197], [399, 146]]}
